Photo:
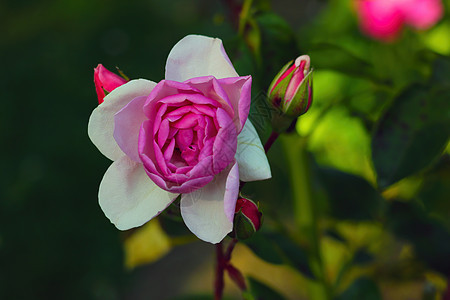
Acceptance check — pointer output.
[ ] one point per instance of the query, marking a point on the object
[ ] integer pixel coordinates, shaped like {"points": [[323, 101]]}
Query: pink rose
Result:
{"points": [[106, 80], [384, 19], [381, 19], [188, 134]]}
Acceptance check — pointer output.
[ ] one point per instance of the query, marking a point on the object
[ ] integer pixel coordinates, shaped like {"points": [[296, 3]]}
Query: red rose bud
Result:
{"points": [[106, 81], [291, 89], [247, 218]]}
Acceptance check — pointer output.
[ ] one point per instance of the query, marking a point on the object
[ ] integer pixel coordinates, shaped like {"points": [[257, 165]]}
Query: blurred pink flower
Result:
{"points": [[384, 19], [188, 134]]}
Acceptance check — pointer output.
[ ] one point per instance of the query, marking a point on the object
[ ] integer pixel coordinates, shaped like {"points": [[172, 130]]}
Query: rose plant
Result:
{"points": [[189, 134]]}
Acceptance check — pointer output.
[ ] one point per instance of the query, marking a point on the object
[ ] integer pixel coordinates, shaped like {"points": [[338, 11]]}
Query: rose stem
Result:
{"points": [[223, 259], [273, 137], [230, 249], [220, 267]]}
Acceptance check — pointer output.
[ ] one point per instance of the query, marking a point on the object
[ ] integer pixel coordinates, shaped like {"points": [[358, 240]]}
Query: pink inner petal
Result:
{"points": [[157, 119], [163, 133], [179, 111], [184, 138], [160, 159], [205, 109], [190, 155], [168, 151], [187, 121]]}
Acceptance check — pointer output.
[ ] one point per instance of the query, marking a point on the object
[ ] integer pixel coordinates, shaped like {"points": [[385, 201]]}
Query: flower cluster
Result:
{"points": [[188, 134]]}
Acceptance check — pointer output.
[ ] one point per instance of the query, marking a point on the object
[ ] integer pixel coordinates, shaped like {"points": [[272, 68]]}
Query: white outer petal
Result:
{"points": [[128, 197], [101, 122], [196, 56], [203, 210], [250, 155]]}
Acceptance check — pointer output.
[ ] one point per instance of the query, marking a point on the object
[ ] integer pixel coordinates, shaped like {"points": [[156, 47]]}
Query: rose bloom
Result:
{"points": [[384, 19], [188, 134]]}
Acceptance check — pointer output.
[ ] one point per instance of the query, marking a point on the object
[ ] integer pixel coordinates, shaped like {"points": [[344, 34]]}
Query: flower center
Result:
{"points": [[186, 134]]}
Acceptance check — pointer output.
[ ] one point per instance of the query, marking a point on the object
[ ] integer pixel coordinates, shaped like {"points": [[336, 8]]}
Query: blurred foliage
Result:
{"points": [[358, 206]]}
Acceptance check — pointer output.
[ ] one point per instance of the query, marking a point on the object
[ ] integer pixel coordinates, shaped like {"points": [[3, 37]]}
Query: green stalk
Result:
{"points": [[305, 211]]}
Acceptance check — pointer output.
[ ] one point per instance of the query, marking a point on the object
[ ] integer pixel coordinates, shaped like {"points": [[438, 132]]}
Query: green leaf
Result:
{"points": [[278, 249], [361, 288], [441, 71], [411, 134], [351, 197], [261, 291], [431, 240], [278, 45], [435, 190], [266, 249], [333, 57]]}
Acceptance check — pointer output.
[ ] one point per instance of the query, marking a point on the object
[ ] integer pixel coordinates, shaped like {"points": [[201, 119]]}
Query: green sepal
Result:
{"points": [[243, 226], [283, 69], [299, 104]]}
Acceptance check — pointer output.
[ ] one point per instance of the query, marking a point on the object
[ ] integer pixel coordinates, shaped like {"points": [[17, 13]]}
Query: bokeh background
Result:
{"points": [[55, 242]]}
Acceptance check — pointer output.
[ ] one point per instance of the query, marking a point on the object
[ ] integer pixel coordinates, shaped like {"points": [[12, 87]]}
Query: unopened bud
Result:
{"points": [[247, 218], [106, 81], [291, 90]]}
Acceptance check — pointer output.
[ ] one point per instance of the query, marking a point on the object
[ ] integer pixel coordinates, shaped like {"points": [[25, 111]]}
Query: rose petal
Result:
{"points": [[101, 122], [203, 210], [381, 19], [225, 143], [250, 155], [239, 91], [422, 14], [231, 192], [128, 197], [211, 88], [127, 123], [196, 56]]}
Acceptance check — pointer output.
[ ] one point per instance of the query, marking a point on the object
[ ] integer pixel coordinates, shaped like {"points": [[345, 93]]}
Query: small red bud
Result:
{"points": [[291, 89], [247, 218], [106, 81]]}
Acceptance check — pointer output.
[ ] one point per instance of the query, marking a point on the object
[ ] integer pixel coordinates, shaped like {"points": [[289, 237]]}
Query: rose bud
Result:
{"points": [[291, 89], [247, 218], [105, 81]]}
